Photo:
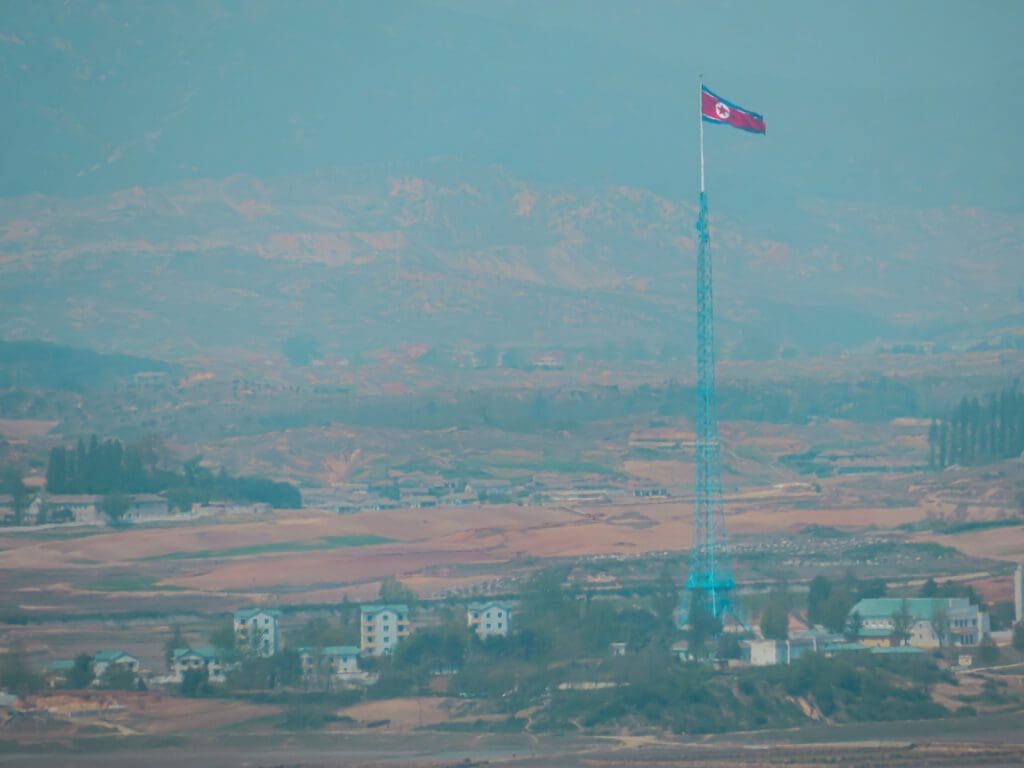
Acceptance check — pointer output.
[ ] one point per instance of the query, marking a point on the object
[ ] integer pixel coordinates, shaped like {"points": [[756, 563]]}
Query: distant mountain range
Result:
{"points": [[457, 255]]}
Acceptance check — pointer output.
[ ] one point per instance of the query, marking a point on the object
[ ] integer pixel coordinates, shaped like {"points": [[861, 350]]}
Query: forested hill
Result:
{"points": [[41, 365]]}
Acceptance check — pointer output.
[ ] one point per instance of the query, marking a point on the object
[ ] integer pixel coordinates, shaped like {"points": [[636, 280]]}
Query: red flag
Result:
{"points": [[715, 109]]}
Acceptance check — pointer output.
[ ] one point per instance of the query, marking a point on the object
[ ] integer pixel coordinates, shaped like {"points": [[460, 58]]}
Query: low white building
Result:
{"points": [[933, 621], [209, 659], [339, 661], [147, 506], [489, 619], [104, 659]]}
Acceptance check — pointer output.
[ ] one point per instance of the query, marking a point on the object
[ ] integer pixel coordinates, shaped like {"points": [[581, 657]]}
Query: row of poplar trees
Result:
{"points": [[978, 432], [99, 467]]}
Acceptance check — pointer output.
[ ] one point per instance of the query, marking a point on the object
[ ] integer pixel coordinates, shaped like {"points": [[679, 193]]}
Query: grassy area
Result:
{"points": [[279, 547], [128, 584], [977, 525]]}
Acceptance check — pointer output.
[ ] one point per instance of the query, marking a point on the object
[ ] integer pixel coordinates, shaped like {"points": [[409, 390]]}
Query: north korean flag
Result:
{"points": [[715, 109]]}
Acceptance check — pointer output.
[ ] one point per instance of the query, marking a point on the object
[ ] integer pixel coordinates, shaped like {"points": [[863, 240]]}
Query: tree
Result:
{"points": [[115, 506], [775, 619], [17, 674], [175, 641], [702, 624], [817, 595], [1018, 638], [729, 646], [222, 637], [392, 591], [854, 625], [81, 674], [318, 632], [836, 609], [56, 470], [902, 623], [195, 682], [119, 677], [940, 623], [260, 672], [665, 599], [988, 652], [13, 485]]}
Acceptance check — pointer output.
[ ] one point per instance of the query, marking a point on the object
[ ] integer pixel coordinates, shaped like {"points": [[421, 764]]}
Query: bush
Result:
{"points": [[17, 674], [196, 683], [303, 715], [988, 652]]}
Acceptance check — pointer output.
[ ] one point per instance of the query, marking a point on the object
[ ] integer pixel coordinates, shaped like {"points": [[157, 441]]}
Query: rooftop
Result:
{"points": [[109, 656], [248, 613], [921, 608], [378, 607], [207, 653], [485, 606]]}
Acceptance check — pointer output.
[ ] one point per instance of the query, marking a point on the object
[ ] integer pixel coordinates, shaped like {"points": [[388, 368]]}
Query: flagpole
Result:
{"points": [[700, 121]]}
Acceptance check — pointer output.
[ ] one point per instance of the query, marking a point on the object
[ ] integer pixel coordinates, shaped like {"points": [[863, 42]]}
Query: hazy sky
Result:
{"points": [[906, 103]]}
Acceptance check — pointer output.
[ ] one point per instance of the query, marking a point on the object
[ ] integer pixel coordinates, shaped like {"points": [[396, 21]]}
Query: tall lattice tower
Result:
{"points": [[710, 577]]}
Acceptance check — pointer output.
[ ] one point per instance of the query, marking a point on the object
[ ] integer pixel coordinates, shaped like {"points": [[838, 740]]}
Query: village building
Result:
{"points": [[104, 659], [57, 672], [767, 652], [80, 508], [147, 506], [934, 621], [230, 508], [382, 627], [207, 658], [337, 661], [256, 631], [489, 619]]}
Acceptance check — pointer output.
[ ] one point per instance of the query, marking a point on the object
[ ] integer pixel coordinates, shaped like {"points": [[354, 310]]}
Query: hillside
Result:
{"points": [[451, 255]]}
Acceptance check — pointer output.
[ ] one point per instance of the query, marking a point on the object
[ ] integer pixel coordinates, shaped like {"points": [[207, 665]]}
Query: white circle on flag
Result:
{"points": [[722, 111]]}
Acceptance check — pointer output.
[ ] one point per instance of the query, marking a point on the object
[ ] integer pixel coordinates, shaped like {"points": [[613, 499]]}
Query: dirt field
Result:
{"points": [[313, 556], [998, 543], [487, 536]]}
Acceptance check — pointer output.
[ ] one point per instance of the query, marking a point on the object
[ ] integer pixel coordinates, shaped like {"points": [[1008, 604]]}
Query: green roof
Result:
{"points": [[207, 653], [248, 613], [331, 650], [901, 649], [490, 604], [921, 608], [61, 665], [110, 656], [377, 608], [883, 632], [846, 647], [341, 650]]}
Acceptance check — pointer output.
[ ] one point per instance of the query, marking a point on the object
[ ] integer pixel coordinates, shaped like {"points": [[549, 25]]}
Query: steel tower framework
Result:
{"points": [[710, 577]]}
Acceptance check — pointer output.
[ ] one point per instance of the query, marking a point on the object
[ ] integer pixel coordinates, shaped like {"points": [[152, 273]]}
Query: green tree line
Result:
{"points": [[111, 468], [979, 431], [102, 467]]}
